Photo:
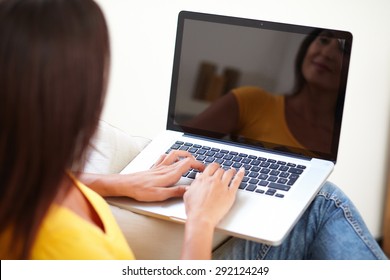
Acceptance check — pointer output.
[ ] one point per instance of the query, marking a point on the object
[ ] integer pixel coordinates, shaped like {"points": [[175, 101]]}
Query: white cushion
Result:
{"points": [[112, 149]]}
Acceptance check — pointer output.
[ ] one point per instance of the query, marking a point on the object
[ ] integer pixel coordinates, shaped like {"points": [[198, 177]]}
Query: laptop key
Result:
{"points": [[295, 170], [253, 181], [192, 175], [175, 146], [209, 159], [270, 192], [263, 183], [277, 186], [250, 188], [282, 181]]}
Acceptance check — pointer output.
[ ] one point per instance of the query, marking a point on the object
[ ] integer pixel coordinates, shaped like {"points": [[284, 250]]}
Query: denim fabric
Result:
{"points": [[330, 229]]}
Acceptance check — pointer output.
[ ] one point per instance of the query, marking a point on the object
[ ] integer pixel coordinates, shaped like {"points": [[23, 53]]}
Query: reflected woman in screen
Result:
{"points": [[303, 118]]}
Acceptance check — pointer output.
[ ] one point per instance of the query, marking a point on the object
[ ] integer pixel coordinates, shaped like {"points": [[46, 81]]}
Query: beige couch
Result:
{"points": [[149, 238]]}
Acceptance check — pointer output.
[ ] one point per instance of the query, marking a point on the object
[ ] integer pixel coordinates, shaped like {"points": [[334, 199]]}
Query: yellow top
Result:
{"points": [[65, 235], [262, 117]]}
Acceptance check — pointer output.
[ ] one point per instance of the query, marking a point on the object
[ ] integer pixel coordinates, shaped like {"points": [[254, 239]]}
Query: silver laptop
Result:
{"points": [[215, 55]]}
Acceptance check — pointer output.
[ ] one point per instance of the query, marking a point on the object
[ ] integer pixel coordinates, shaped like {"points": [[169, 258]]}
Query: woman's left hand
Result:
{"points": [[155, 184]]}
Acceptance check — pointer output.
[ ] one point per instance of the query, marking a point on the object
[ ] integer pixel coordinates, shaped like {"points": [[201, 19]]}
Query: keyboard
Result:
{"points": [[262, 175]]}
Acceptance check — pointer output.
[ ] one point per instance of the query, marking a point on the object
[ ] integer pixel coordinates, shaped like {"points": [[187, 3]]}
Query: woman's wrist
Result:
{"points": [[200, 221], [198, 238], [108, 184]]}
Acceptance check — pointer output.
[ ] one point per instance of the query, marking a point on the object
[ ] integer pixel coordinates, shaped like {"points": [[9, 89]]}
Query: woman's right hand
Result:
{"points": [[207, 200], [212, 193]]}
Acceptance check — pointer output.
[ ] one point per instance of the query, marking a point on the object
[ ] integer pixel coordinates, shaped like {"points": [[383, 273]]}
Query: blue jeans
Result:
{"points": [[331, 228]]}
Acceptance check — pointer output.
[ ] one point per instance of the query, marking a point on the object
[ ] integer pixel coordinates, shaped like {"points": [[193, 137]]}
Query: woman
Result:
{"points": [[54, 57]]}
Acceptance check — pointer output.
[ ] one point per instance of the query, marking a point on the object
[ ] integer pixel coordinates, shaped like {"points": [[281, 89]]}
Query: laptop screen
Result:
{"points": [[264, 84]]}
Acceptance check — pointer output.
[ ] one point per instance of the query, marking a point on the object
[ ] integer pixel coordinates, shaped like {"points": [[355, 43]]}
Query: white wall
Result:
{"points": [[143, 36]]}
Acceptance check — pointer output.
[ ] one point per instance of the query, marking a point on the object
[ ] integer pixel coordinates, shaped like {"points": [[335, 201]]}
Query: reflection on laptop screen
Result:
{"points": [[269, 85]]}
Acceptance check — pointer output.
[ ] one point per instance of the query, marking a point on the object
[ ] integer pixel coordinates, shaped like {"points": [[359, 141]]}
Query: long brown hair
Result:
{"points": [[54, 57]]}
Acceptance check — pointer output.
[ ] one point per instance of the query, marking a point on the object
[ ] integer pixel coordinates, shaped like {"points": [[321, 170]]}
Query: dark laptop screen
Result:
{"points": [[269, 85]]}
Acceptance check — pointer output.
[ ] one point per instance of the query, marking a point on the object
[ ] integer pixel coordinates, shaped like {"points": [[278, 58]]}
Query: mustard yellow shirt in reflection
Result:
{"points": [[262, 117], [66, 236]]}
